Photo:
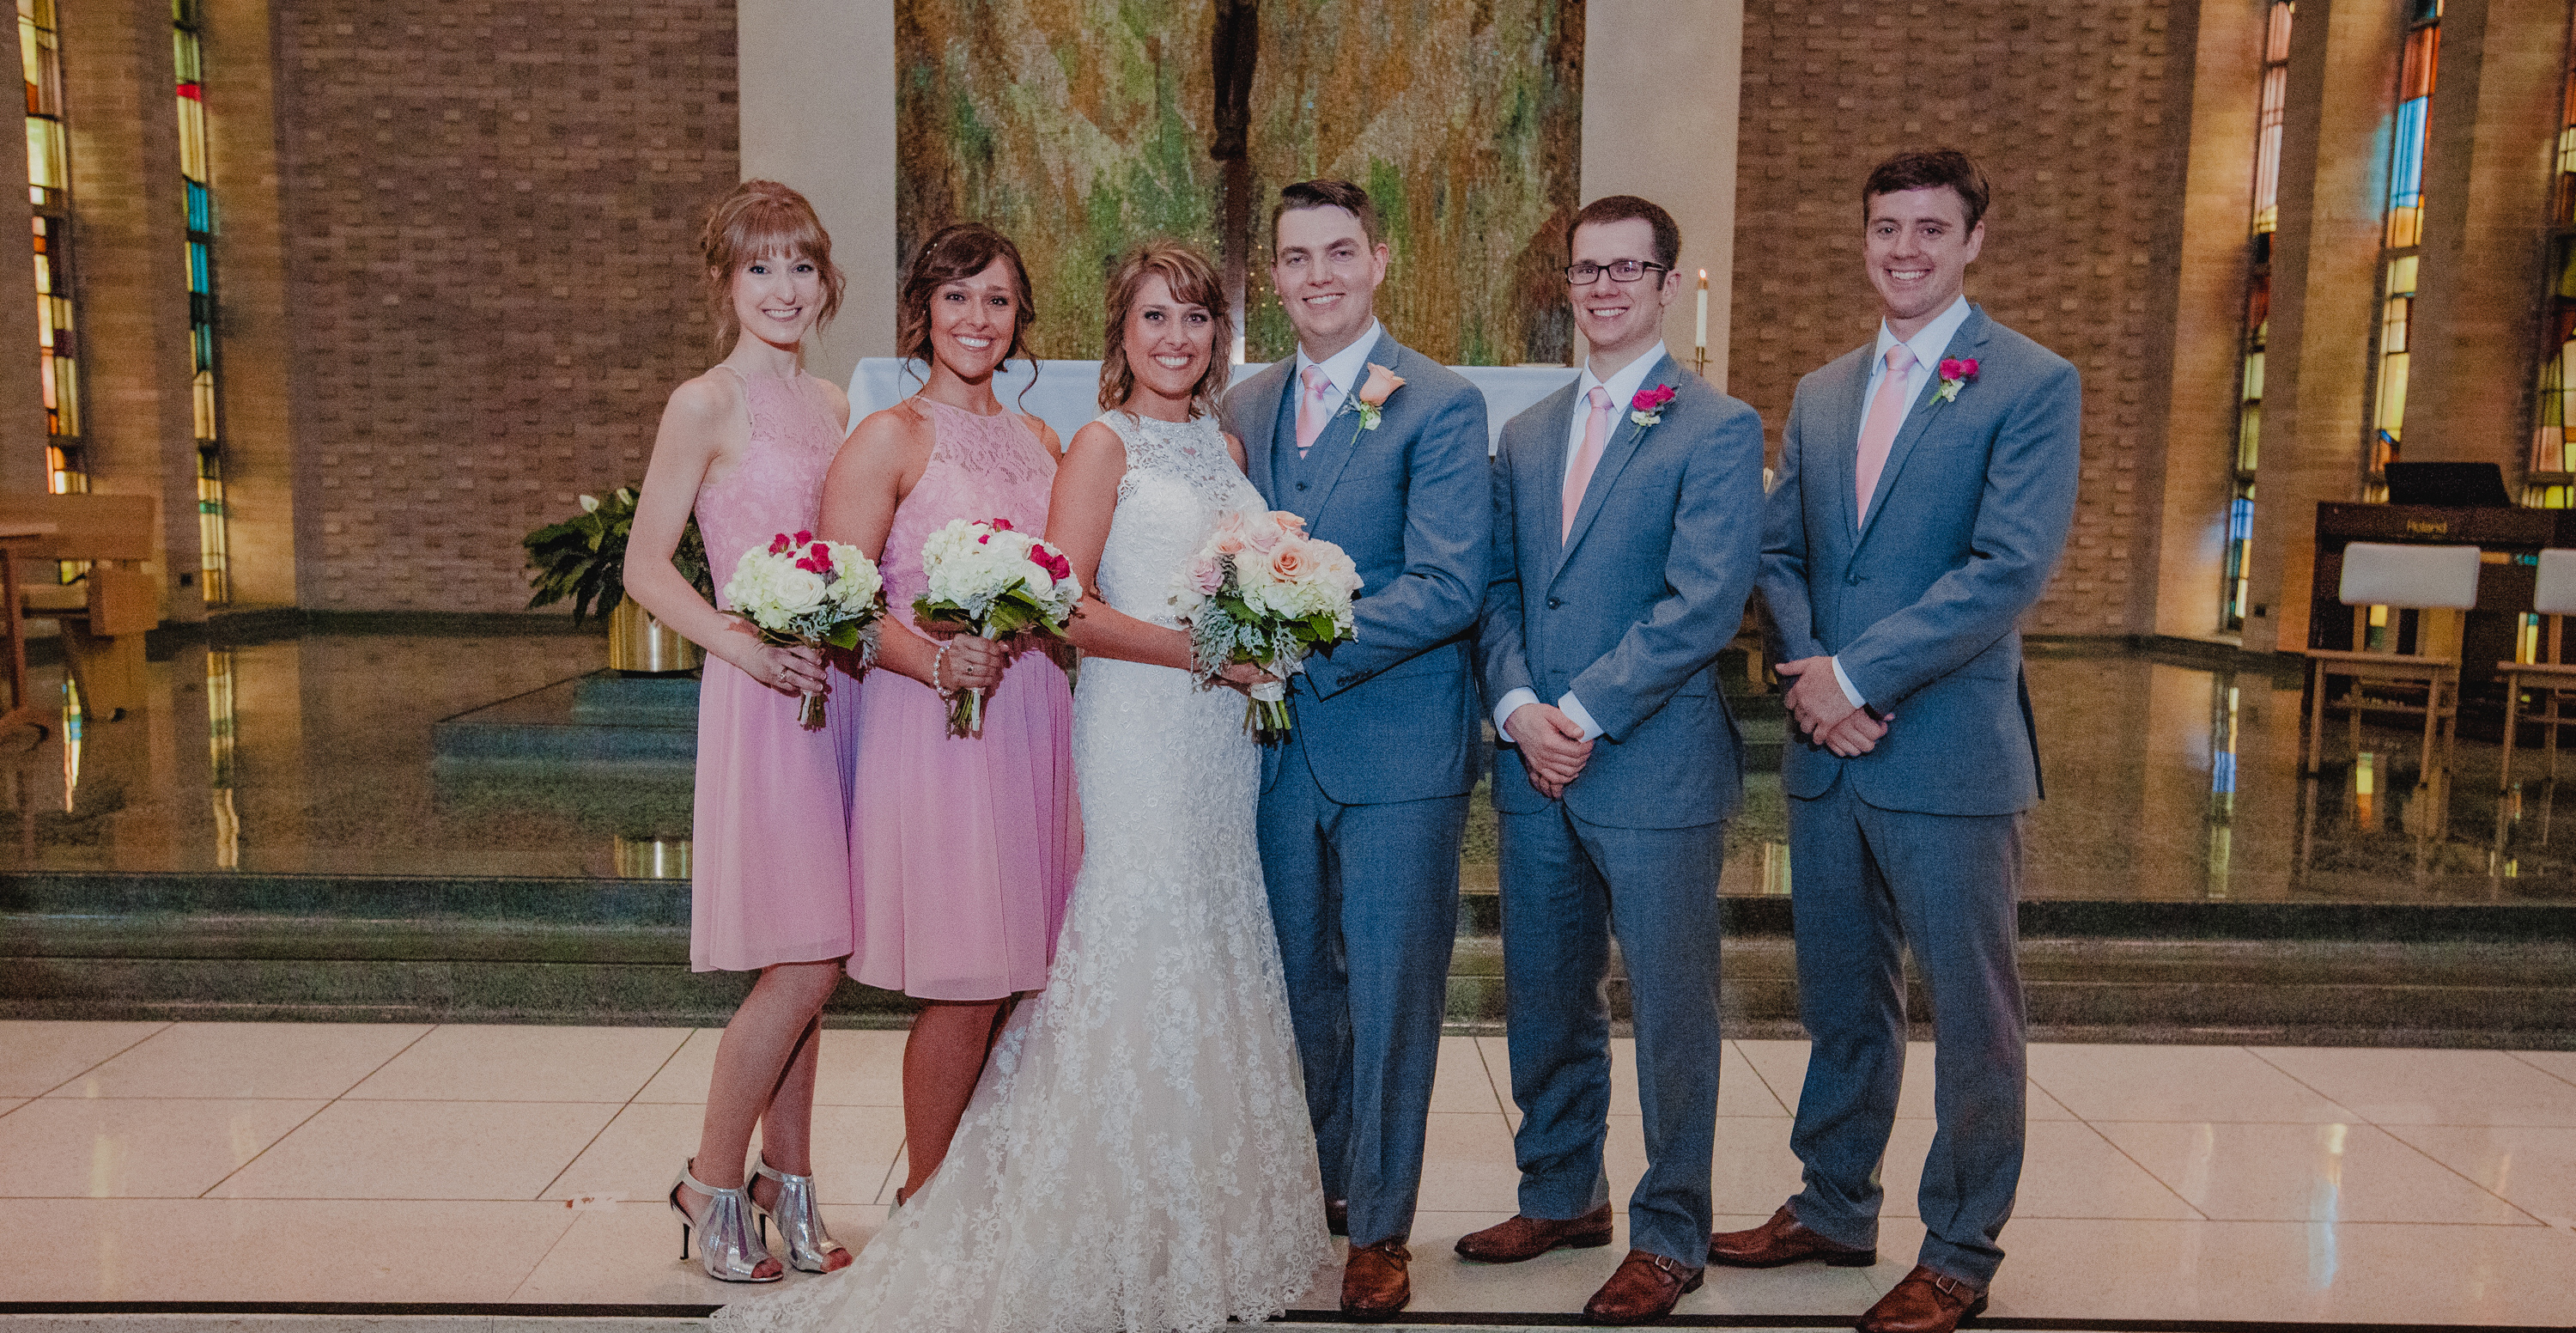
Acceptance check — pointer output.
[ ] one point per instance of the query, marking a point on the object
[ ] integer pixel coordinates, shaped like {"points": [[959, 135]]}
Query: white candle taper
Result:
{"points": [[1701, 340]]}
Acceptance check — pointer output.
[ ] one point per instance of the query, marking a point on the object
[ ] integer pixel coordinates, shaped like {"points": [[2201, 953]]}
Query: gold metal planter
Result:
{"points": [[641, 645]]}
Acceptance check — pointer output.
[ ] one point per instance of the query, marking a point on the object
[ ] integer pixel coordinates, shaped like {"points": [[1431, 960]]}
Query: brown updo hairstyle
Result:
{"points": [[1193, 281], [763, 220], [958, 250]]}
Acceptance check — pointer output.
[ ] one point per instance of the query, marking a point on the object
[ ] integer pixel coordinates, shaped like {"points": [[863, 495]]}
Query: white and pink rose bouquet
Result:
{"points": [[991, 581], [1261, 591], [798, 590]]}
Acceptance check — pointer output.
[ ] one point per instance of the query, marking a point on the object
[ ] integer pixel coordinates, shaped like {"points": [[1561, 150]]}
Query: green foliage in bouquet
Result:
{"points": [[584, 557], [1013, 611]]}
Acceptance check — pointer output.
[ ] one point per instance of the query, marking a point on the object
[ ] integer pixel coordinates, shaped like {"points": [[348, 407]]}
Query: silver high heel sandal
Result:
{"points": [[800, 1227], [726, 1248]]}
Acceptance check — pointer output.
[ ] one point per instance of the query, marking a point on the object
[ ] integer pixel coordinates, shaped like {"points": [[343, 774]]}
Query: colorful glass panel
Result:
{"points": [[187, 60], [49, 182]]}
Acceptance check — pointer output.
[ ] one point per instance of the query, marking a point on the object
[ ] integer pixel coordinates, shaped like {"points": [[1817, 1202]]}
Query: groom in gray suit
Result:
{"points": [[1627, 528], [1382, 451], [1926, 484]]}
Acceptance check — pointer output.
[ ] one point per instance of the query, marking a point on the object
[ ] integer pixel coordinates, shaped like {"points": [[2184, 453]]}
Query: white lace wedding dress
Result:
{"points": [[1138, 1156]]}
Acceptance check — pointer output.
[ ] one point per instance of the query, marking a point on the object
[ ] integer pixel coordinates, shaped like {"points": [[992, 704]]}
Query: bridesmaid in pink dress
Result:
{"points": [[963, 849], [746, 444]]}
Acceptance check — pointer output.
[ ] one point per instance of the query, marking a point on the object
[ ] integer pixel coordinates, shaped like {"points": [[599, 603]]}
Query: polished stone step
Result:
{"points": [[616, 952]]}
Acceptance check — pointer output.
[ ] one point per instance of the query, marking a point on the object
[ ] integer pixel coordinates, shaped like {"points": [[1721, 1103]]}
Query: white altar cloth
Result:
{"points": [[1066, 394]]}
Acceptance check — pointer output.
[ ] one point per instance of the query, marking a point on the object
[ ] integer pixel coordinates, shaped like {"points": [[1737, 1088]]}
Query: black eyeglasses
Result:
{"points": [[1620, 270]]}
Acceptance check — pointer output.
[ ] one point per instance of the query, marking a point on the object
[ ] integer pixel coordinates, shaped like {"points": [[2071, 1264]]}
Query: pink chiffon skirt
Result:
{"points": [[963, 851], [770, 851]]}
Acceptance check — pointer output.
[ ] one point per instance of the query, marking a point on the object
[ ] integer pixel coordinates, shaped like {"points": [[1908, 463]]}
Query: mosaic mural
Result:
{"points": [[1080, 126]]}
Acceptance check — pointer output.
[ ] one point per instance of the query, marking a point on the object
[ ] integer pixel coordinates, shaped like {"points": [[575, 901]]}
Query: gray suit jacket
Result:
{"points": [[1631, 611], [1923, 601], [1391, 716]]}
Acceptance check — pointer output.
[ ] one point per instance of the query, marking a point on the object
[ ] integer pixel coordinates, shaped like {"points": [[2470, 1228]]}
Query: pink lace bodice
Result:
{"points": [[980, 468], [777, 484]]}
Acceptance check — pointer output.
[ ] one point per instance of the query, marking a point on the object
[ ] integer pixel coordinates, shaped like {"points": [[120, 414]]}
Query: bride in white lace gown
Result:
{"points": [[1138, 1155]]}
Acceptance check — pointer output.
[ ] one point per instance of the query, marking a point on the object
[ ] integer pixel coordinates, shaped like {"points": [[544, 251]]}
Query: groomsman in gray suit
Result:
{"points": [[1627, 529], [1381, 450], [1926, 484]]}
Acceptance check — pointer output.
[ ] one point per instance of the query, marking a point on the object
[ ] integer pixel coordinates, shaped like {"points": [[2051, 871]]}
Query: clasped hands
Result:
{"points": [[1817, 702], [1553, 750]]}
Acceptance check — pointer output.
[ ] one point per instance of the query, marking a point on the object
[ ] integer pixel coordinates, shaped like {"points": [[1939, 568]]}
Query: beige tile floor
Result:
{"points": [[381, 1163]]}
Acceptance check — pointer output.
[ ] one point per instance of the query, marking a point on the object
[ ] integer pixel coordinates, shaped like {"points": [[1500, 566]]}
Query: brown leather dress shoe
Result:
{"points": [[1644, 1288], [1375, 1284], [1337, 1216], [1526, 1237], [1782, 1240], [1925, 1302]]}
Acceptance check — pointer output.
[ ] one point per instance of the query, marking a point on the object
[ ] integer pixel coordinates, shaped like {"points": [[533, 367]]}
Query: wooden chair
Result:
{"points": [[2423, 579], [2551, 679], [104, 615]]}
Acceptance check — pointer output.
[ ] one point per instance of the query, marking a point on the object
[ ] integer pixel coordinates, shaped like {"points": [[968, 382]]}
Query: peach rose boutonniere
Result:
{"points": [[1370, 401], [1955, 371]]}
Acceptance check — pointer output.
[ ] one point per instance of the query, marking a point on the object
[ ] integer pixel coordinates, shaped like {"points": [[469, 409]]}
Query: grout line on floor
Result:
{"points": [[326, 1105], [687, 1035], [2114, 1145], [166, 1025], [2524, 1057], [1765, 1083]]}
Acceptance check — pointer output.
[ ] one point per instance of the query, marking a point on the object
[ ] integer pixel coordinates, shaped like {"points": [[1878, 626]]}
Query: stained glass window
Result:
{"points": [[2233, 595], [49, 190], [188, 60], [2416, 70], [2553, 450]]}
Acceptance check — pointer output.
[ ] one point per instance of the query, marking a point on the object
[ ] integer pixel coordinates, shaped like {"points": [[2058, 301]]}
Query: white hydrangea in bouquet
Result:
{"points": [[798, 590], [1261, 591], [992, 581]]}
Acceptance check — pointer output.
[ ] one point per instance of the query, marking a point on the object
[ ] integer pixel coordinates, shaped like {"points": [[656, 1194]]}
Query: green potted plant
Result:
{"points": [[584, 558]]}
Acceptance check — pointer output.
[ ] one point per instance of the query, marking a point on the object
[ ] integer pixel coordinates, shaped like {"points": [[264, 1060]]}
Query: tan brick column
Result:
{"points": [[2487, 172], [128, 224], [2209, 317], [2325, 297], [252, 352]]}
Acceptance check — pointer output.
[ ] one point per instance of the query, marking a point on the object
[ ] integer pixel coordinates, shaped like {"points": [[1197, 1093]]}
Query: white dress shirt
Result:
{"points": [[1345, 368], [1927, 344], [1623, 386]]}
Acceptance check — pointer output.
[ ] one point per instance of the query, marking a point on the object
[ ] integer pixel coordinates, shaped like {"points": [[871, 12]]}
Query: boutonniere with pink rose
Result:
{"points": [[1647, 408], [1955, 371], [1370, 401]]}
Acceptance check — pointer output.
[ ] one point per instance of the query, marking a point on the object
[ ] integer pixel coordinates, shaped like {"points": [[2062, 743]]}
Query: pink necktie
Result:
{"points": [[1310, 408], [1596, 432], [1878, 430]]}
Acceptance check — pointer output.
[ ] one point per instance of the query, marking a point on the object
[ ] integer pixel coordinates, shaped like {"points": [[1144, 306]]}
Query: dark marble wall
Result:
{"points": [[1082, 126]]}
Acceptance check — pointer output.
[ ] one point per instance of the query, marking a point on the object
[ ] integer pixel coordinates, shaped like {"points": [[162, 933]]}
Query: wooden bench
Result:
{"points": [[103, 615]]}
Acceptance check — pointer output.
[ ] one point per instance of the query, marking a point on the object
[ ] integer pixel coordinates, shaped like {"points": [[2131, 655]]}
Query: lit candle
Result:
{"points": [[1701, 341]]}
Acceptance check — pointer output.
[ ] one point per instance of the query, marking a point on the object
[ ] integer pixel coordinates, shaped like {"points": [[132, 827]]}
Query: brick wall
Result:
{"points": [[2067, 107], [491, 210]]}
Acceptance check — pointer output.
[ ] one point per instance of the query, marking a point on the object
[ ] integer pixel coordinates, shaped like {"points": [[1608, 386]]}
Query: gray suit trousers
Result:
{"points": [[1867, 883], [1568, 887], [1365, 899]]}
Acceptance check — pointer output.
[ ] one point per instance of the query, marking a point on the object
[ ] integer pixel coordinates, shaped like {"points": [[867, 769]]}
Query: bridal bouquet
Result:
{"points": [[1261, 591], [801, 591], [992, 582]]}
